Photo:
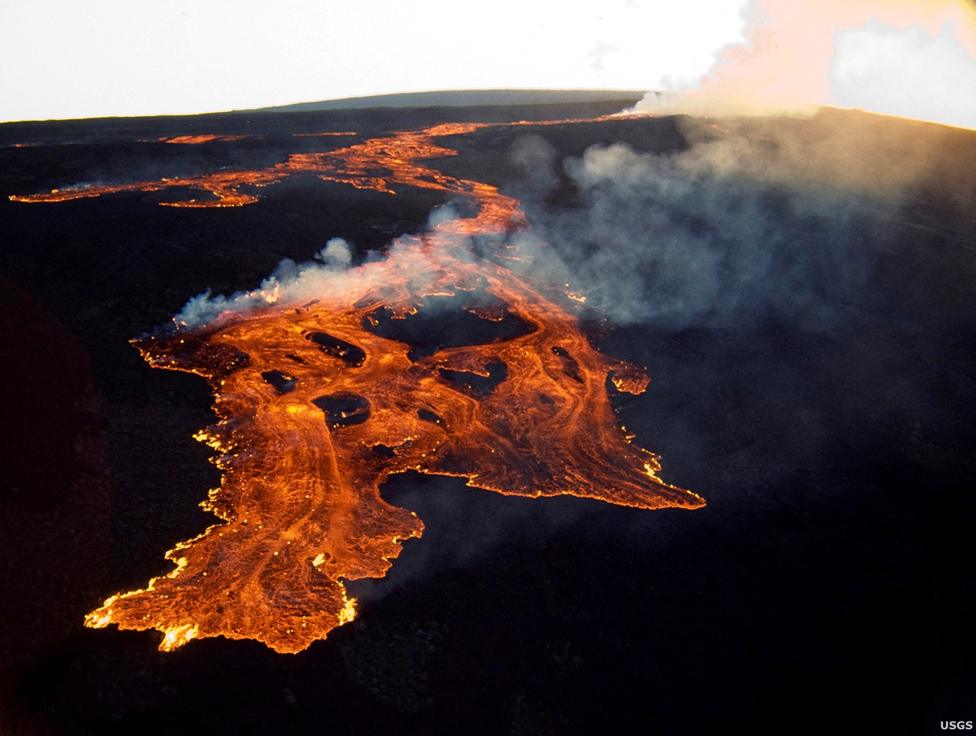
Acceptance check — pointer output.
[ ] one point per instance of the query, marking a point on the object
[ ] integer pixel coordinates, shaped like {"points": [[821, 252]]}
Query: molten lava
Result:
{"points": [[369, 165], [203, 138], [321, 400]]}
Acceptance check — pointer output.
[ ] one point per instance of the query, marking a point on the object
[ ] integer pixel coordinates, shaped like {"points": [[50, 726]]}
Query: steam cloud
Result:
{"points": [[290, 282], [913, 59], [331, 272]]}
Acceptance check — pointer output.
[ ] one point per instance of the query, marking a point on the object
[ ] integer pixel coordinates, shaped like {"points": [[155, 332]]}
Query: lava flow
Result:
{"points": [[369, 165], [352, 165], [430, 360], [203, 138]]}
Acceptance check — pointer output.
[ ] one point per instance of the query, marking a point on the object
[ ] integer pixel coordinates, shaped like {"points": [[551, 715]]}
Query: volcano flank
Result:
{"points": [[367, 318]]}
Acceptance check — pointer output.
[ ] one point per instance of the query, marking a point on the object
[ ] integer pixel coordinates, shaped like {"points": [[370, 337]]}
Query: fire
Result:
{"points": [[320, 400], [894, 57]]}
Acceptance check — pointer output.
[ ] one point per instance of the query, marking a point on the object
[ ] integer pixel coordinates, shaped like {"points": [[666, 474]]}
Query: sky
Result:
{"points": [[94, 58]]}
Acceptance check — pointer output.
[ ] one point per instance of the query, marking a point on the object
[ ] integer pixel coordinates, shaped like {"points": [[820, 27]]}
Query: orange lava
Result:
{"points": [[206, 138], [318, 406], [374, 164]]}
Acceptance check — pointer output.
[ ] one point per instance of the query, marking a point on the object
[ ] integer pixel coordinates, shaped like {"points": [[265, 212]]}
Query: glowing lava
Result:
{"points": [[203, 138], [321, 400], [373, 164], [326, 134]]}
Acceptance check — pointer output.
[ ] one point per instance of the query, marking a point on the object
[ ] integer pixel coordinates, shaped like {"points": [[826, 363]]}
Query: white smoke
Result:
{"points": [[336, 254], [290, 283], [330, 276], [895, 57]]}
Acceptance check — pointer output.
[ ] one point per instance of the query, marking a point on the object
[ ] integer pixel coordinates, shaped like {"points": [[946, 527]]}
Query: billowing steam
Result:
{"points": [[290, 282], [330, 274], [897, 57]]}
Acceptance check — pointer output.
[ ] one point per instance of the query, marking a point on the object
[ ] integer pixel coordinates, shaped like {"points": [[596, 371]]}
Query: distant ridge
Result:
{"points": [[465, 98]]}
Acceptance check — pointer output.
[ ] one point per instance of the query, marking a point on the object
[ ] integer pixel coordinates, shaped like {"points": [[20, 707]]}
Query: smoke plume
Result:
{"points": [[895, 57], [332, 273], [291, 282], [756, 220]]}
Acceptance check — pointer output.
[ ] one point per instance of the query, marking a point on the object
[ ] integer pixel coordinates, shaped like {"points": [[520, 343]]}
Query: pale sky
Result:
{"points": [[90, 58]]}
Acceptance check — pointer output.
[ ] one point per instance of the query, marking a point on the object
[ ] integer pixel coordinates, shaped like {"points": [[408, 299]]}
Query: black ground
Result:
{"points": [[826, 588]]}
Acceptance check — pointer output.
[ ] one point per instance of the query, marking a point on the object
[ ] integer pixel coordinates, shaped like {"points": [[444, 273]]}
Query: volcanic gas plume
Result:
{"points": [[895, 57], [326, 386]]}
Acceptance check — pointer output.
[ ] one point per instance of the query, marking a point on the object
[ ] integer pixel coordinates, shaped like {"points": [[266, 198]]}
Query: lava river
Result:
{"points": [[430, 360]]}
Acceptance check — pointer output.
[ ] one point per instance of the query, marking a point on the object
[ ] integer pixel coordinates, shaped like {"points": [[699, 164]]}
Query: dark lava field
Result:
{"points": [[801, 292]]}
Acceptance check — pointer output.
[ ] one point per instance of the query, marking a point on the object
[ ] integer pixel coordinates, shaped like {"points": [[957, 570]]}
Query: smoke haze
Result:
{"points": [[754, 220]]}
